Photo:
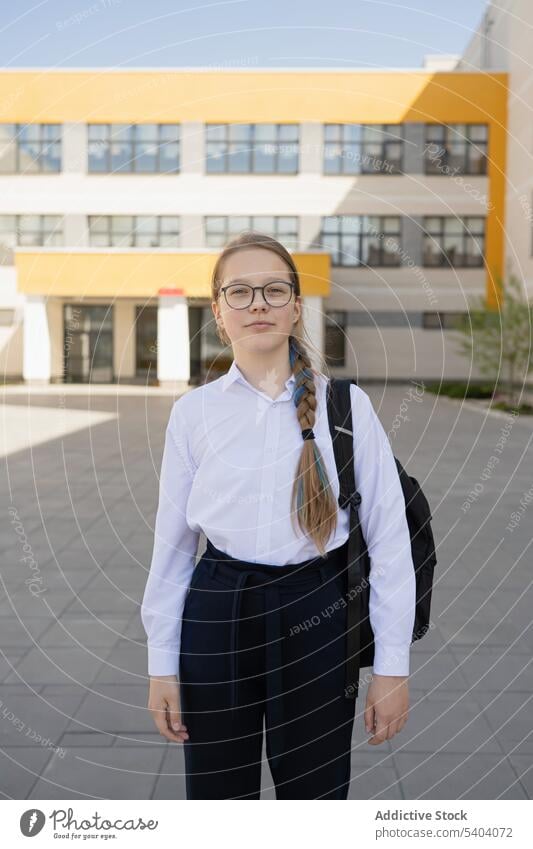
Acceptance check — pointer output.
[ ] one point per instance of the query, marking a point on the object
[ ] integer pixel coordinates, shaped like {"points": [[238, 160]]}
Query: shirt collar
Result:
{"points": [[234, 373]]}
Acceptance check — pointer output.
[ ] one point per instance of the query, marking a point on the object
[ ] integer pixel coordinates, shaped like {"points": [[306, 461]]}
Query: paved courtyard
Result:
{"points": [[79, 494]]}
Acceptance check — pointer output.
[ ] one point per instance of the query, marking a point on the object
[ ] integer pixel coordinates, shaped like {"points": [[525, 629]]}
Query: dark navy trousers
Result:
{"points": [[266, 644]]}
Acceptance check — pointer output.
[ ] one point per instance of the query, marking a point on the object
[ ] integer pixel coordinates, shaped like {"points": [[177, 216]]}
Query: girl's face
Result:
{"points": [[256, 266]]}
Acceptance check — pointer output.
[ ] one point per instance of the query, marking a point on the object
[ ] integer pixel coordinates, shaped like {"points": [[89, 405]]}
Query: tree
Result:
{"points": [[499, 341]]}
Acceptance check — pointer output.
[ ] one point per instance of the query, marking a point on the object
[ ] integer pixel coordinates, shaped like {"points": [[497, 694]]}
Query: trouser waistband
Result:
{"points": [[216, 559]]}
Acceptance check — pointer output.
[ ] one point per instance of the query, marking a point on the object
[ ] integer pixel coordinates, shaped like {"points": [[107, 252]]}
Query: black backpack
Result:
{"points": [[360, 637]]}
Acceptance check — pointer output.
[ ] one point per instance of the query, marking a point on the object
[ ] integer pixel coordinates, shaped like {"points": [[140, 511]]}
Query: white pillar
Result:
{"points": [[124, 331], [173, 348], [74, 147], [36, 355], [311, 147], [192, 159], [313, 317]]}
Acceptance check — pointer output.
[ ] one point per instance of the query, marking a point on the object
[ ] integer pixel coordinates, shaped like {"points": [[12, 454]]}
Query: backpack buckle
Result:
{"points": [[352, 501]]}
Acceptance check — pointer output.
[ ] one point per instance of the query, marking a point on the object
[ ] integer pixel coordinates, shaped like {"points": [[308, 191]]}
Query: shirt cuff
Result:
{"points": [[163, 660], [391, 659]]}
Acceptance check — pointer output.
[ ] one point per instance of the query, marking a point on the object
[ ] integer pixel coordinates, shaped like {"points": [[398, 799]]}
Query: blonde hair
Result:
{"points": [[312, 499]]}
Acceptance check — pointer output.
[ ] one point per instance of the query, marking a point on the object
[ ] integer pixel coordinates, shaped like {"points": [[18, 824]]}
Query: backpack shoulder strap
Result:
{"points": [[340, 424], [341, 430]]}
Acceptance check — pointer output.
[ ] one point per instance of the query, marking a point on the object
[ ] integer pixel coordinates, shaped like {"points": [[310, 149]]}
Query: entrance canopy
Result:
{"points": [[137, 272]]}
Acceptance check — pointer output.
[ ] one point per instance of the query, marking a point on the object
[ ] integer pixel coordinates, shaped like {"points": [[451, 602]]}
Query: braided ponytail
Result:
{"points": [[312, 501]]}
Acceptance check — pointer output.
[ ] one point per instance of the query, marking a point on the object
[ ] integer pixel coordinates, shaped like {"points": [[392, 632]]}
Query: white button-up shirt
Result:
{"points": [[228, 468]]}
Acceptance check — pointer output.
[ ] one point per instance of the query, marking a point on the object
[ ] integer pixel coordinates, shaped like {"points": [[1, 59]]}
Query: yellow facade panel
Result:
{"points": [[140, 274], [181, 95]]}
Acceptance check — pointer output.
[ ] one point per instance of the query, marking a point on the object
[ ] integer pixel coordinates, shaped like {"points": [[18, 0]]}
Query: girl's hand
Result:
{"points": [[387, 705], [164, 705]]}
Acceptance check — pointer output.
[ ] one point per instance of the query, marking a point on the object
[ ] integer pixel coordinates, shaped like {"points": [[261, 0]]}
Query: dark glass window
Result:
{"points": [[458, 242], [354, 240], [456, 148], [363, 148]]}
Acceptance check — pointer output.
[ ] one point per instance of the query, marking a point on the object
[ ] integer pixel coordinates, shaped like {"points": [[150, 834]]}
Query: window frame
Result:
{"points": [[450, 134], [359, 146], [226, 232], [133, 231], [440, 319], [364, 236], [226, 141], [7, 251], [134, 143], [466, 236], [42, 142]]}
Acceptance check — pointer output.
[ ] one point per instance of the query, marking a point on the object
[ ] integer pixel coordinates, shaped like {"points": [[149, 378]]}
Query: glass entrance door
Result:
{"points": [[88, 343], [209, 358], [146, 343]]}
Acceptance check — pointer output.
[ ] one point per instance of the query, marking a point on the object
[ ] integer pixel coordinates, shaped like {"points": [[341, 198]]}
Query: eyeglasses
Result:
{"points": [[240, 295]]}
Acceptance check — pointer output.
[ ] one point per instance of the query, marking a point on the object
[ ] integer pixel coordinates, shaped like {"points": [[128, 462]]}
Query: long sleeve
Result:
{"points": [[174, 553], [385, 529]]}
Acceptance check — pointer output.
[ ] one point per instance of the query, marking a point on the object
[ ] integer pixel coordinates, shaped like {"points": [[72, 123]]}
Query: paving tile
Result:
{"points": [[89, 630], [100, 773], [20, 769], [114, 709], [454, 776], [510, 716], [125, 665], [28, 720], [170, 783], [523, 766], [59, 665], [493, 670], [446, 720]]}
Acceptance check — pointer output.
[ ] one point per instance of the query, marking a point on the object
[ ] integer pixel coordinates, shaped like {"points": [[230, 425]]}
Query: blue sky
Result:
{"points": [[241, 33]]}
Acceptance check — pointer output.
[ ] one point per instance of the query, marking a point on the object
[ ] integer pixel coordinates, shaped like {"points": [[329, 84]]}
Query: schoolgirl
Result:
{"points": [[255, 632]]}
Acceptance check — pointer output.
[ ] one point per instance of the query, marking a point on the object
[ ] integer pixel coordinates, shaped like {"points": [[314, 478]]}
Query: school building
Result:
{"points": [[118, 188]]}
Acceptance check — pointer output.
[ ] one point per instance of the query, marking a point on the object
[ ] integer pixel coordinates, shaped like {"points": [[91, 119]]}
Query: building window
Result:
{"points": [[138, 231], [133, 148], [335, 339], [441, 320], [30, 148], [457, 148], [363, 148], [220, 228], [458, 242], [362, 239], [28, 231], [252, 148]]}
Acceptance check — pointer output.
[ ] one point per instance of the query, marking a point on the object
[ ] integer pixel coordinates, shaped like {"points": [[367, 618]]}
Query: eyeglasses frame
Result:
{"points": [[253, 288]]}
